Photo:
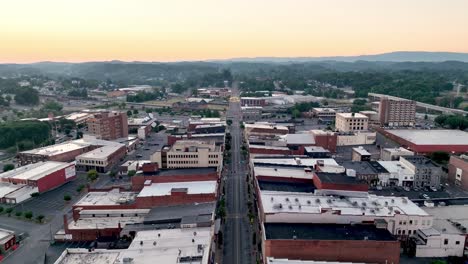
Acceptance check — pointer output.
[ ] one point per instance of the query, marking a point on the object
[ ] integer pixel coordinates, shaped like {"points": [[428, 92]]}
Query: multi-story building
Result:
{"points": [[252, 101], [108, 125], [251, 112], [17, 185], [348, 122], [325, 115], [400, 215], [458, 171], [426, 172], [189, 154], [389, 154], [397, 112], [360, 154], [102, 159]]}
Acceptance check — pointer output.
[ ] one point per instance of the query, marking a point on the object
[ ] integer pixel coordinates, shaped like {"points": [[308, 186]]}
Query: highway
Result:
{"points": [[237, 231]]}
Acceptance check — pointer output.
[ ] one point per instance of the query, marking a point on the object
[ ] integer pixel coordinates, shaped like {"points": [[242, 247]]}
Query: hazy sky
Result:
{"points": [[169, 30]]}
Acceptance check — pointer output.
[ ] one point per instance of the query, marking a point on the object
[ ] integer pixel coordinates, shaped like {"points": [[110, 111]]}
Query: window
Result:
{"points": [[445, 241], [457, 242], [399, 232], [410, 222]]}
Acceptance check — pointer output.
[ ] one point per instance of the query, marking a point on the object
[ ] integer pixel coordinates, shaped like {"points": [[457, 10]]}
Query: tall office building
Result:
{"points": [[397, 112], [108, 125]]}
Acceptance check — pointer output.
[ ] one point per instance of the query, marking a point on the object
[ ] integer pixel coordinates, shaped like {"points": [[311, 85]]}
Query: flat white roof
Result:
{"points": [[283, 172], [324, 110], [432, 137], [78, 116], [298, 139], [169, 245], [35, 171], [104, 222], [162, 189], [446, 217], [5, 234], [83, 256], [58, 148], [267, 147], [307, 203], [7, 188], [112, 197], [265, 126], [398, 150], [350, 115], [361, 151], [396, 167], [101, 153], [295, 161]]}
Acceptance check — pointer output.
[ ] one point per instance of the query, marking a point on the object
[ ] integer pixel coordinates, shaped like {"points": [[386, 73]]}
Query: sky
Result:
{"points": [[174, 30]]}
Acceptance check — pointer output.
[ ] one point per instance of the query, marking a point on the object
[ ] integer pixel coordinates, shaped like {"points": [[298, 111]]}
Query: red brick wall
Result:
{"points": [[138, 181], [336, 186], [327, 141], [8, 244], [254, 150], [53, 180], [174, 199], [92, 234], [454, 163], [385, 252]]}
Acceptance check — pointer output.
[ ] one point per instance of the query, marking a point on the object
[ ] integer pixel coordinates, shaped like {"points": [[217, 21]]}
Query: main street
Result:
{"points": [[237, 230]]}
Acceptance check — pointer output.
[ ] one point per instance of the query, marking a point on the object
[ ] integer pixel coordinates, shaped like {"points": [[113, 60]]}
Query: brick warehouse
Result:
{"points": [[330, 242]]}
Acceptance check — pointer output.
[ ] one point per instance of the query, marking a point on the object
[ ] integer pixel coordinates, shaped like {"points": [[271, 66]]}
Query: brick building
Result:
{"points": [[108, 125], [458, 171], [339, 181], [397, 112], [7, 240], [252, 101], [172, 175], [101, 159], [330, 242]]}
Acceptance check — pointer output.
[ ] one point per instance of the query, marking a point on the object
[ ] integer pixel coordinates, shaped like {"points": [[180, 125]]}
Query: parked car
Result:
{"points": [[434, 189]]}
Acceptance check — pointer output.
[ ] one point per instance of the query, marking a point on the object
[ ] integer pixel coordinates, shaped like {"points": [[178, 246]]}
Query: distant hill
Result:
{"points": [[398, 56]]}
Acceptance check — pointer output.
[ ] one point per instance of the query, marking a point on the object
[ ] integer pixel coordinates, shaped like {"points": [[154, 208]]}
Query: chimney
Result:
{"points": [[65, 223]]}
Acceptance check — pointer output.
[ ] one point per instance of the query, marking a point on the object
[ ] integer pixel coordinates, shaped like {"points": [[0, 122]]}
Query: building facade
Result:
{"points": [[397, 112], [348, 122], [458, 171], [189, 154], [108, 125], [426, 172]]}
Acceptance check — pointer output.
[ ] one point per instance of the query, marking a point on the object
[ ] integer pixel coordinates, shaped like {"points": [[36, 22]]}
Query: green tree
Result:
{"points": [[66, 197], [92, 175], [1, 209], [135, 111], [52, 106], [129, 113], [26, 96], [440, 157], [18, 213], [296, 113], [131, 173], [9, 210], [8, 167], [28, 215], [40, 218]]}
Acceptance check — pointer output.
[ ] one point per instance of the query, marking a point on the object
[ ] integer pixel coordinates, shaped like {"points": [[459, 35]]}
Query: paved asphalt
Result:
{"points": [[237, 230]]}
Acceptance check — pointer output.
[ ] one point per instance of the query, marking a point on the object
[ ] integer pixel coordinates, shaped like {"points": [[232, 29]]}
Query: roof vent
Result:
{"points": [[308, 201]]}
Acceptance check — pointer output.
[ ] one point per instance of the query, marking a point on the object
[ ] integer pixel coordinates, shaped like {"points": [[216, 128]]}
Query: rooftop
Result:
{"points": [[35, 171], [339, 178], [286, 186], [83, 256], [312, 149], [398, 150], [307, 203], [419, 161], [306, 162], [253, 146], [299, 139], [352, 115], [323, 109], [396, 167], [7, 188], [4, 234], [189, 245], [101, 153], [432, 137], [361, 151], [282, 172], [178, 212], [191, 171], [326, 232], [57, 148], [364, 167], [112, 197], [104, 222], [163, 189], [448, 216]]}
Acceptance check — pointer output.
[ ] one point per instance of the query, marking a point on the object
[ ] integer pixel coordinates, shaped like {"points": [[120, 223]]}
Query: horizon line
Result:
{"points": [[230, 58]]}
